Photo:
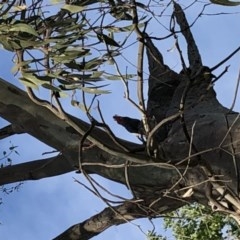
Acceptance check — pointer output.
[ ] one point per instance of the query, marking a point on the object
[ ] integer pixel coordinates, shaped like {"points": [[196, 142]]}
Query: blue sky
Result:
{"points": [[43, 209]]}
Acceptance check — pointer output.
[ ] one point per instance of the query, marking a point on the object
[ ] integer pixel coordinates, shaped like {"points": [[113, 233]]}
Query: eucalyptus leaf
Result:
{"points": [[51, 87], [55, 1], [23, 27], [79, 105], [73, 8], [25, 64], [225, 3], [128, 28], [95, 62], [69, 55], [108, 40], [117, 77], [86, 2], [74, 65], [29, 44], [95, 90], [70, 87], [97, 74], [6, 44], [28, 83], [37, 80]]}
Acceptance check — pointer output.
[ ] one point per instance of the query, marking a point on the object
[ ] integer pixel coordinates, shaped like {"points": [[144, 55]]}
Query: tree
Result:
{"points": [[197, 222], [190, 144]]}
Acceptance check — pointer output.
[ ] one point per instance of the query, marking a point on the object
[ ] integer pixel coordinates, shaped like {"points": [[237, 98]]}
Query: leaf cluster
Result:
{"points": [[64, 51], [196, 221]]}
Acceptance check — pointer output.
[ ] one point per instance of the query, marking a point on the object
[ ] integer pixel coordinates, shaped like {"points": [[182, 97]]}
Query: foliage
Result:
{"points": [[197, 222], [6, 161], [225, 2], [69, 41], [154, 236]]}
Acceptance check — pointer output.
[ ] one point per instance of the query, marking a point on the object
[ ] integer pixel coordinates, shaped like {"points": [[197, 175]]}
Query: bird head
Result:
{"points": [[118, 119]]}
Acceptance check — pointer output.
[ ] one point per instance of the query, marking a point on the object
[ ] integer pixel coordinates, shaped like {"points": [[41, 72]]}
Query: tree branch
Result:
{"points": [[9, 130], [103, 220], [111, 216], [35, 170], [194, 56], [17, 108], [162, 84]]}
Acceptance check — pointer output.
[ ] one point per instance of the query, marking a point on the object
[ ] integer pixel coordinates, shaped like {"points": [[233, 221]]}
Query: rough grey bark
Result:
{"points": [[194, 158]]}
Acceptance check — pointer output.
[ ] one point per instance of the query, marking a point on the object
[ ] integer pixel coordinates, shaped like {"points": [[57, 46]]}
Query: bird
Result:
{"points": [[132, 125]]}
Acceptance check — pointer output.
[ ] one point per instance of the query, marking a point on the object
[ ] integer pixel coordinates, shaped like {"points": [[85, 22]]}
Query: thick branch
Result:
{"points": [[162, 84], [194, 56], [101, 221], [113, 216], [35, 170], [17, 108], [93, 160], [9, 130]]}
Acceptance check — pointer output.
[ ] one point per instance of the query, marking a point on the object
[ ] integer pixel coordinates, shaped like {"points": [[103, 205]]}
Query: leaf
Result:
{"points": [[28, 83], [16, 67], [80, 78], [107, 40], [32, 80], [79, 105], [16, 152], [95, 90], [51, 87], [96, 74], [69, 55], [128, 28], [69, 87], [22, 27], [117, 77], [38, 80], [86, 2], [19, 8], [56, 1], [110, 54], [73, 8], [225, 2], [12, 148], [95, 62], [74, 65], [29, 44], [44, 78], [6, 44]]}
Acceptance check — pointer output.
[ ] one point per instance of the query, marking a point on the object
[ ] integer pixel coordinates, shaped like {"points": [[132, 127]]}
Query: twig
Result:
{"points": [[236, 92], [225, 59], [219, 76], [157, 127], [109, 131], [140, 90], [189, 158], [194, 56], [127, 179], [233, 154]]}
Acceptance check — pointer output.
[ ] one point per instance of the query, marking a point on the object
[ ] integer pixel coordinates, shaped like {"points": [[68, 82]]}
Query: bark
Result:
{"points": [[33, 119], [111, 216]]}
